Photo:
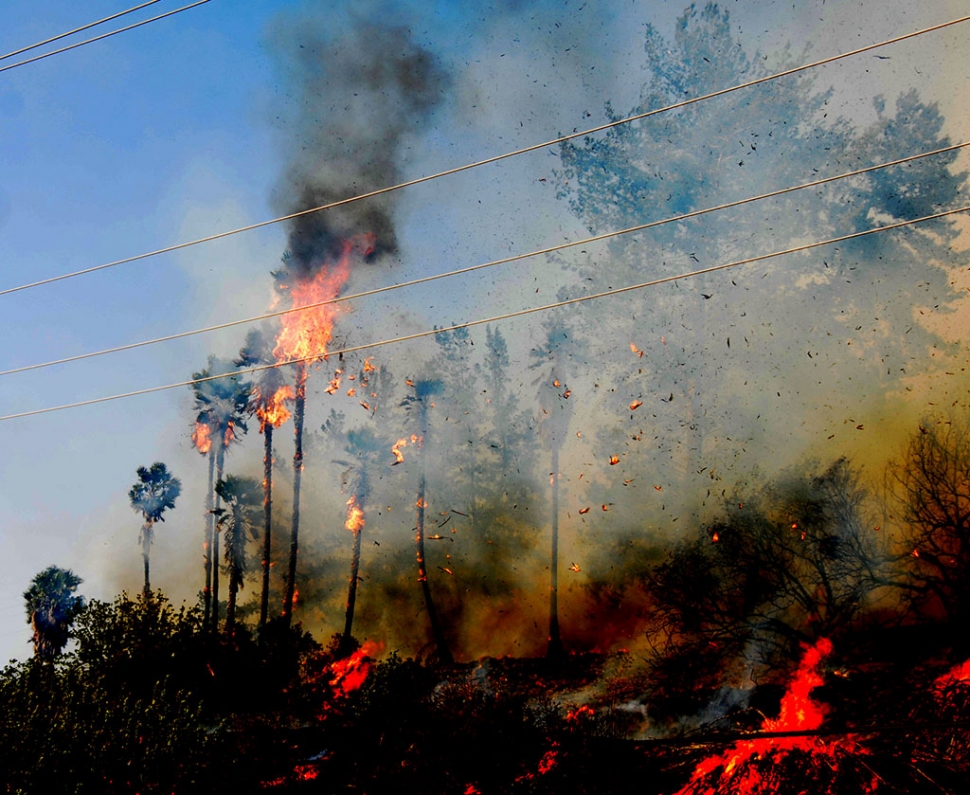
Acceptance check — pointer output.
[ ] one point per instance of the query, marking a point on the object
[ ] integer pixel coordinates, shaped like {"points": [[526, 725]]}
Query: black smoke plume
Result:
{"points": [[360, 99]]}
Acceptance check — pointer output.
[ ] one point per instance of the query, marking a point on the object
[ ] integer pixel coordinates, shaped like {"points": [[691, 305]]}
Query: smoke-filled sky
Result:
{"points": [[233, 113]]}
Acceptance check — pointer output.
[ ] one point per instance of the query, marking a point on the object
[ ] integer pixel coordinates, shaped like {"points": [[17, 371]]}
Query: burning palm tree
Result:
{"points": [[424, 390], [268, 401], [241, 495], [153, 493], [51, 609], [220, 406], [365, 448], [303, 339]]}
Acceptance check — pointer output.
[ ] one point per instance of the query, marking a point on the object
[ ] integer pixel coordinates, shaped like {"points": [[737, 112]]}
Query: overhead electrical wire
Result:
{"points": [[493, 319], [81, 29], [74, 46], [476, 164], [481, 266]]}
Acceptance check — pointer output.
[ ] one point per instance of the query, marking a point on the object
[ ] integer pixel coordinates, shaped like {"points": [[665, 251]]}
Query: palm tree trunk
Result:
{"points": [[444, 653], [352, 589], [220, 463], [555, 650], [267, 519], [146, 546], [298, 415], [231, 601], [207, 544]]}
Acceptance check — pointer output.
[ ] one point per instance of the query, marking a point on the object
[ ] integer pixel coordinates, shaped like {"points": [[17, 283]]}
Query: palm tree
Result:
{"points": [[267, 401], [241, 495], [51, 609], [365, 448], [221, 410], [424, 390], [154, 492]]}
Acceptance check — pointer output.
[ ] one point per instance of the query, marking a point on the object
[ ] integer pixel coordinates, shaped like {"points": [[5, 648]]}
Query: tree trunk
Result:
{"points": [[298, 415], [267, 520], [146, 546], [220, 463], [352, 589], [444, 653], [231, 601], [207, 544], [555, 650]]}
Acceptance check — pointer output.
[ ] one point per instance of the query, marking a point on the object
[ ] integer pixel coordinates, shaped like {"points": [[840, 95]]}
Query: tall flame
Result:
{"points": [[202, 437], [306, 334], [355, 516], [737, 769]]}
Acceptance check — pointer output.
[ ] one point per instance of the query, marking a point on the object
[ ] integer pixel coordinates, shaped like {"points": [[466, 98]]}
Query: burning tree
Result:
{"points": [[366, 450], [424, 390], [241, 495], [386, 85], [221, 407], [51, 609], [153, 493], [931, 486], [268, 401], [310, 283]]}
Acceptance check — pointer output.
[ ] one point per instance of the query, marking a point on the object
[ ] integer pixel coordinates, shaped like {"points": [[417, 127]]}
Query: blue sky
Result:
{"points": [[179, 129]]}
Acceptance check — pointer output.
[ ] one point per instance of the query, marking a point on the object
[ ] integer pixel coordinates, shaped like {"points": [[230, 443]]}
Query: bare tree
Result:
{"points": [[930, 484], [784, 565]]}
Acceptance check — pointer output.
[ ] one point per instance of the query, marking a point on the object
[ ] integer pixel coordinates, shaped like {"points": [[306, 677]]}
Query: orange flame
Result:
{"points": [[202, 437], [274, 412], [396, 449], [959, 674], [350, 673], [306, 334], [355, 516], [730, 771]]}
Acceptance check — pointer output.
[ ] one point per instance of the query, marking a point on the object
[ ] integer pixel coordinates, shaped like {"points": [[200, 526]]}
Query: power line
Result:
{"points": [[494, 319], [90, 25], [469, 166], [481, 266], [102, 36]]}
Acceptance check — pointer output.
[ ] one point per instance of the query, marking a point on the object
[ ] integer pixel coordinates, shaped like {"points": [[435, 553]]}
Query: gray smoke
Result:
{"points": [[359, 101]]}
